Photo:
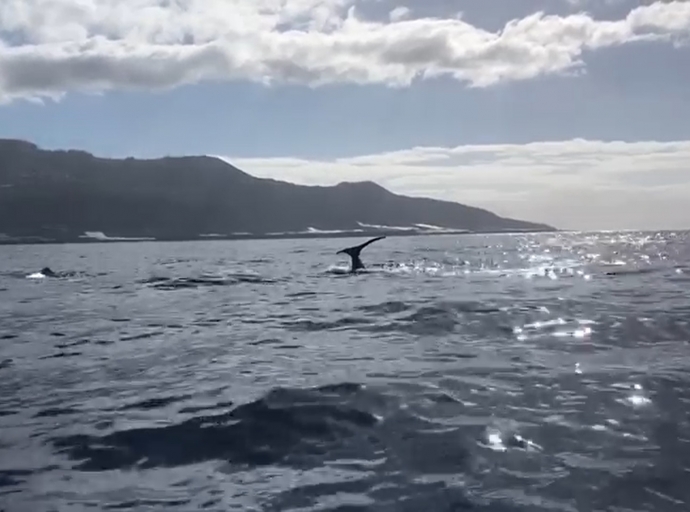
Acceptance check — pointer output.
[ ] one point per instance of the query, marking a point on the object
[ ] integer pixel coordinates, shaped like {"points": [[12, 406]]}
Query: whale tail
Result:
{"points": [[353, 252]]}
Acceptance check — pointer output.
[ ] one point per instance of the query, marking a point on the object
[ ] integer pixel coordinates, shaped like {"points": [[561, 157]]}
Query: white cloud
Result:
{"points": [[400, 13], [580, 3], [576, 184], [48, 47]]}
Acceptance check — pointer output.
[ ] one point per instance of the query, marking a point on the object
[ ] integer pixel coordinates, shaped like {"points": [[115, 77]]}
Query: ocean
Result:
{"points": [[524, 372]]}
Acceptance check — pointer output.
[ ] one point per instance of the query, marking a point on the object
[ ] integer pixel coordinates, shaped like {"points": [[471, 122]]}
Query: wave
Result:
{"points": [[285, 427], [100, 235], [60, 274], [374, 445], [177, 283], [315, 231]]}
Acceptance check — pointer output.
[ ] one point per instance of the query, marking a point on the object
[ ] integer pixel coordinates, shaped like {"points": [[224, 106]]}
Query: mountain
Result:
{"points": [[67, 195]]}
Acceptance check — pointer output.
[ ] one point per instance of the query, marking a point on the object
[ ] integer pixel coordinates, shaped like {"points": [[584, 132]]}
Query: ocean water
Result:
{"points": [[489, 373]]}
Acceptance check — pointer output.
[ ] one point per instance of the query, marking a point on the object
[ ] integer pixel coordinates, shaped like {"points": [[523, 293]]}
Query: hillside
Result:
{"points": [[61, 195]]}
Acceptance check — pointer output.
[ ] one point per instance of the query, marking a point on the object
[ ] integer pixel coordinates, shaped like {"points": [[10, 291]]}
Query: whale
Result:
{"points": [[48, 272], [44, 272], [354, 252]]}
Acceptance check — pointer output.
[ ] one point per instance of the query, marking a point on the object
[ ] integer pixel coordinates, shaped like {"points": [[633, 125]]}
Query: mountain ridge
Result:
{"points": [[62, 195]]}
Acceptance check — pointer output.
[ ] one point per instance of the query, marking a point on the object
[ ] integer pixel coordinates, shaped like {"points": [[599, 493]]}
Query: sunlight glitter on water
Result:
{"points": [[486, 372]]}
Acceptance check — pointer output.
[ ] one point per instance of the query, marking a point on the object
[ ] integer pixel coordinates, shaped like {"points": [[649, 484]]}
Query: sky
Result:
{"points": [[569, 112]]}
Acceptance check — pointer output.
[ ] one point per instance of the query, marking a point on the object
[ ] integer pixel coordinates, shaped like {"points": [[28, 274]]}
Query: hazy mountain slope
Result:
{"points": [[62, 194]]}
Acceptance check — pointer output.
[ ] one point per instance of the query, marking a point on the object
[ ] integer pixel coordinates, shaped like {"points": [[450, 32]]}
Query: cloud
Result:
{"points": [[50, 47], [575, 184], [399, 13]]}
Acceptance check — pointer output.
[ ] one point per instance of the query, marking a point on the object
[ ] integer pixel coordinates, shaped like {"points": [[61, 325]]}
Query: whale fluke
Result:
{"points": [[353, 252]]}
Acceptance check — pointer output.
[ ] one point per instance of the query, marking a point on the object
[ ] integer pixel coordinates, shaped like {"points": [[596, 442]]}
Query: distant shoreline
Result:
{"points": [[35, 240], [69, 196]]}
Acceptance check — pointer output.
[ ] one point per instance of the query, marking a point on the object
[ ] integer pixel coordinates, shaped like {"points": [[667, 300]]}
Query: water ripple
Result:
{"points": [[485, 372]]}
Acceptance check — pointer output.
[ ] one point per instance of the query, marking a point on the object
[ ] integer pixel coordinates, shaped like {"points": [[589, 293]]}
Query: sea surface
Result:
{"points": [[530, 372]]}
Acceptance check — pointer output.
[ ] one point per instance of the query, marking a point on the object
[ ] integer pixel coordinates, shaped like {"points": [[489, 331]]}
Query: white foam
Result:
{"points": [[100, 235]]}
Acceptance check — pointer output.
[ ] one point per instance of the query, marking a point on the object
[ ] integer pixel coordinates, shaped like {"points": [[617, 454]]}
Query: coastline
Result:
{"points": [[81, 239]]}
